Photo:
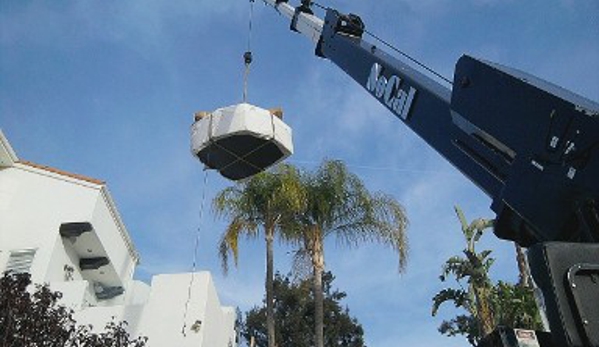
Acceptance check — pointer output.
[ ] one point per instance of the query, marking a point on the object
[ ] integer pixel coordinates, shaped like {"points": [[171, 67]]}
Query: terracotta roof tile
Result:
{"points": [[61, 172]]}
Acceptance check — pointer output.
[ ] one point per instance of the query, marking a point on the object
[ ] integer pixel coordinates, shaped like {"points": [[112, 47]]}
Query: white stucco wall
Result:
{"points": [[167, 318], [52, 200], [113, 236], [168, 298], [35, 201], [76, 295]]}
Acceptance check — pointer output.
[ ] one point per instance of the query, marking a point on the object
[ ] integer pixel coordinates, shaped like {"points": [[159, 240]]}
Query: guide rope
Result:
{"points": [[195, 251]]}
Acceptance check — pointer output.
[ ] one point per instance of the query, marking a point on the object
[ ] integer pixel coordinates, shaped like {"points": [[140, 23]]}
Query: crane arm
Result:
{"points": [[418, 100], [302, 20], [532, 147]]}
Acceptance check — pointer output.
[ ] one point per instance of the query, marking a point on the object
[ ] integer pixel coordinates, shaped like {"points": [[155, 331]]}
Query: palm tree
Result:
{"points": [[266, 201], [488, 304], [337, 203], [479, 297], [477, 266]]}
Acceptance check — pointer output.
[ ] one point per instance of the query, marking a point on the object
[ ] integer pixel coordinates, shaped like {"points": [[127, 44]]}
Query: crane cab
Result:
{"points": [[241, 140]]}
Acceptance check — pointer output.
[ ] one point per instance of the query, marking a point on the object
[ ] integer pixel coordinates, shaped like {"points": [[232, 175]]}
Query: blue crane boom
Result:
{"points": [[531, 146]]}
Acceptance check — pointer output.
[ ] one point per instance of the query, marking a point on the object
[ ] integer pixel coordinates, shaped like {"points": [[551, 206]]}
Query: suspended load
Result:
{"points": [[240, 140]]}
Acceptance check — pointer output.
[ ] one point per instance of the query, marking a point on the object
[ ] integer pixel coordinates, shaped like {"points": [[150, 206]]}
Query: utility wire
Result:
{"points": [[377, 168]]}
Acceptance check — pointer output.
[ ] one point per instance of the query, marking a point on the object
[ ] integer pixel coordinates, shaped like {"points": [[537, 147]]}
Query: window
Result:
{"points": [[20, 261]]}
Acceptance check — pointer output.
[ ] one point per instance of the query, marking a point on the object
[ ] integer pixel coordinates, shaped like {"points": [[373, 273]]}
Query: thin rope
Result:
{"points": [[195, 251], [242, 159], [235, 155]]}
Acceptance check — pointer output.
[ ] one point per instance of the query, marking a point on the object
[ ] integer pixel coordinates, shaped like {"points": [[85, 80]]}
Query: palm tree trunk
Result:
{"points": [[523, 274], [485, 314], [318, 265], [270, 313]]}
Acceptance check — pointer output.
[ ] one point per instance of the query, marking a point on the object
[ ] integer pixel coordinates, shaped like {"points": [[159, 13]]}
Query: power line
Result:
{"points": [[376, 168]]}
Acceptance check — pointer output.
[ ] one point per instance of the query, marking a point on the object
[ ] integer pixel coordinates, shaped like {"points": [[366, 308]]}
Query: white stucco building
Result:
{"points": [[65, 230]]}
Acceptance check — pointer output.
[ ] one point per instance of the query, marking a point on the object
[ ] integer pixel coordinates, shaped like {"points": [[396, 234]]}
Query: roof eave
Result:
{"points": [[8, 157]]}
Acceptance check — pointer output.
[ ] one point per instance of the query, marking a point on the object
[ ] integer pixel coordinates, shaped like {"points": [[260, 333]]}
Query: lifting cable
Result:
{"points": [[410, 58], [195, 251], [247, 56], [397, 50]]}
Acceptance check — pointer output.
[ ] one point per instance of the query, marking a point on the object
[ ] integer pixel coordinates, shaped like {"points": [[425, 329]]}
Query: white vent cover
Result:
{"points": [[20, 261]]}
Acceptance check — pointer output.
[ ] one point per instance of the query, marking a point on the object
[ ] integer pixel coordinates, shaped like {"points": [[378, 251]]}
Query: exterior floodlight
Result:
{"points": [[240, 140]]}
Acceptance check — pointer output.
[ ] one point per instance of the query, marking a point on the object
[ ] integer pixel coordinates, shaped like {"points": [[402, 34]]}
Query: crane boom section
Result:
{"points": [[530, 146], [420, 102], [302, 22]]}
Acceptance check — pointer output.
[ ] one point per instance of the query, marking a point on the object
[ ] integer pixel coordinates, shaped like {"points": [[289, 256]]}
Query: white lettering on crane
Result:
{"points": [[389, 91]]}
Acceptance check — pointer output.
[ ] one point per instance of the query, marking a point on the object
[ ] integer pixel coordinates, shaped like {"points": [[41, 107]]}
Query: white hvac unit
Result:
{"points": [[240, 140]]}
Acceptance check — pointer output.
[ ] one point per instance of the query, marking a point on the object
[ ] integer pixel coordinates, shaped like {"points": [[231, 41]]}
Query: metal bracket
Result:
{"points": [[583, 287], [305, 7], [351, 25], [337, 23]]}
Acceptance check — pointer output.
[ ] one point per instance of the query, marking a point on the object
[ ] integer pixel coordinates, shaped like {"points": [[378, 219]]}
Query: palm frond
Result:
{"points": [[458, 296], [379, 219], [301, 266], [338, 202], [269, 199], [229, 243]]}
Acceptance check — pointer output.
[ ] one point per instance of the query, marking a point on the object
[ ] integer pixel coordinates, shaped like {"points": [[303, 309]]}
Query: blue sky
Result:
{"points": [[108, 88]]}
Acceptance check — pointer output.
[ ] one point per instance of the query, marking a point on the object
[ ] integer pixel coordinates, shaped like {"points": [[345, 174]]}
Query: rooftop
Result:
{"points": [[8, 158], [61, 172]]}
